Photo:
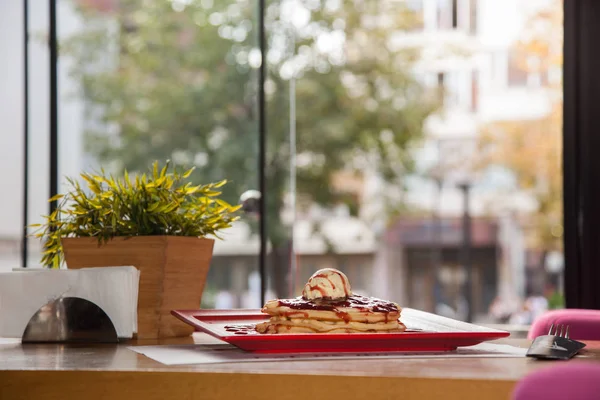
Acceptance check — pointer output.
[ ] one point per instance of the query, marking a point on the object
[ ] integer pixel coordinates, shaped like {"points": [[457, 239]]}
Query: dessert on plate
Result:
{"points": [[327, 305]]}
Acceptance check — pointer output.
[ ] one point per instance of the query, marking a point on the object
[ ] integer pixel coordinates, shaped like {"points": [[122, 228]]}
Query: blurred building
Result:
{"points": [[469, 51]]}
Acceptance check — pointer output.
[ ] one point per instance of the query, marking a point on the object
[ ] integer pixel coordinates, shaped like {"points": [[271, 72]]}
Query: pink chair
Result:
{"points": [[583, 324], [571, 380]]}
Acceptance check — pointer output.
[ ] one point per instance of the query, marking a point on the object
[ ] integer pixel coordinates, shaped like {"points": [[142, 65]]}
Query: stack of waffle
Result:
{"points": [[327, 305]]}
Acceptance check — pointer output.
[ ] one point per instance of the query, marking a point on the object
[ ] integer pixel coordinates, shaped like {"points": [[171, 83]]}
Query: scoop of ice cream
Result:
{"points": [[327, 283]]}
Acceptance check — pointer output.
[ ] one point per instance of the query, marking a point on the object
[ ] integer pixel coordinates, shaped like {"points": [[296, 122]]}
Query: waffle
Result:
{"points": [[355, 314]]}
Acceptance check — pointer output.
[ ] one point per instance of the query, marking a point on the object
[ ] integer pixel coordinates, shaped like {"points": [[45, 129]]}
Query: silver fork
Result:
{"points": [[556, 345], [559, 330]]}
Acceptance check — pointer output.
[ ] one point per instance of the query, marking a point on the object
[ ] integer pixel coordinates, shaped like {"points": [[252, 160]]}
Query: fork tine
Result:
{"points": [[567, 333], [562, 327], [550, 330]]}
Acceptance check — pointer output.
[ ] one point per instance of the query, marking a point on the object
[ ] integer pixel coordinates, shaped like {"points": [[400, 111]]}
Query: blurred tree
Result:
{"points": [[532, 149], [178, 79]]}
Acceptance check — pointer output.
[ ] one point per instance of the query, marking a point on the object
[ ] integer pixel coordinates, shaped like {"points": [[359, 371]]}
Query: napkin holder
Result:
{"points": [[70, 320]]}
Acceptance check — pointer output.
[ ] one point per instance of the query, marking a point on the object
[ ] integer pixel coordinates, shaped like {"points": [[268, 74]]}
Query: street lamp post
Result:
{"points": [[466, 248], [436, 242]]}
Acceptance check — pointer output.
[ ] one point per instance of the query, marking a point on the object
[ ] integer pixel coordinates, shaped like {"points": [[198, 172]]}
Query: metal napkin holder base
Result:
{"points": [[70, 320]]}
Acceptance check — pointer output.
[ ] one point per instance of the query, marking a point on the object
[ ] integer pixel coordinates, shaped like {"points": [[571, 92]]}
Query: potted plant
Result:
{"points": [[157, 222]]}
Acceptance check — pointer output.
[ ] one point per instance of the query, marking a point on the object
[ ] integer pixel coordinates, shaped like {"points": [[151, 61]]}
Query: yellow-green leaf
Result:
{"points": [[187, 173], [154, 206], [222, 203], [235, 208], [219, 184], [192, 190], [56, 197], [92, 183]]}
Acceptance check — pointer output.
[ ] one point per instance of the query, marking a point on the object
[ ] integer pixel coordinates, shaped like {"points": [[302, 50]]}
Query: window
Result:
{"points": [[408, 221], [367, 169], [167, 81], [174, 80]]}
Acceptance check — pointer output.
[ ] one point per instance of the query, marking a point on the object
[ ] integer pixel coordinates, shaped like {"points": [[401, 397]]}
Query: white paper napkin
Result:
{"points": [[114, 289]]}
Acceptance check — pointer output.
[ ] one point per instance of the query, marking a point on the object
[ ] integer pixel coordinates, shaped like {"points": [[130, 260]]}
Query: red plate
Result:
{"points": [[425, 332]]}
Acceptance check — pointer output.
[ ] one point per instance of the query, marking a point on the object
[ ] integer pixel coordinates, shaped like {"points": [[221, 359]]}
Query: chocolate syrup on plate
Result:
{"points": [[241, 329]]}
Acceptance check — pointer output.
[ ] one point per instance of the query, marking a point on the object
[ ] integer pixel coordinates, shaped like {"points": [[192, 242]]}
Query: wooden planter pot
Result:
{"points": [[173, 271]]}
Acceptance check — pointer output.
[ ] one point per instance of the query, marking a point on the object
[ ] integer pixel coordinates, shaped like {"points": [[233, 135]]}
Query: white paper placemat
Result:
{"points": [[198, 354]]}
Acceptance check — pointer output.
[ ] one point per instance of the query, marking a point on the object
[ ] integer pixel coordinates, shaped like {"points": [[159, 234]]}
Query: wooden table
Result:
{"points": [[89, 372]]}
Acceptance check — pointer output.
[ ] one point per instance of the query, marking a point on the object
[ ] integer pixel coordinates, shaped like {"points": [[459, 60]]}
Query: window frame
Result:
{"points": [[581, 167]]}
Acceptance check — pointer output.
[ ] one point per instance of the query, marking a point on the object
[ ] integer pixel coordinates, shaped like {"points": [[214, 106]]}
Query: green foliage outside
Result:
{"points": [[178, 80], [556, 300]]}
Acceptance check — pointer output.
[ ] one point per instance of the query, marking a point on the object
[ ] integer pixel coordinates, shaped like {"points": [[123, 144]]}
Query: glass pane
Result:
{"points": [[39, 122], [427, 152], [11, 140], [168, 80]]}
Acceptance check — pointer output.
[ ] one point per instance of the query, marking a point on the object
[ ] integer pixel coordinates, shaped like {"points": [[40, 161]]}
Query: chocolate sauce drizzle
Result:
{"points": [[360, 303]]}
